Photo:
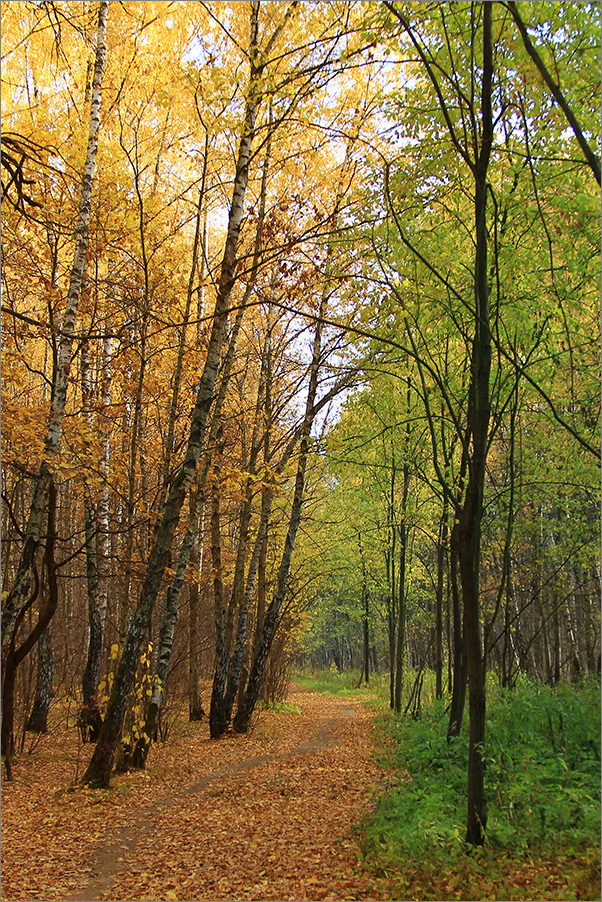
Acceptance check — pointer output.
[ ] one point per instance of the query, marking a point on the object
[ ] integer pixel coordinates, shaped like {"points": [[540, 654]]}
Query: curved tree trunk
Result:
{"points": [[20, 596], [37, 722], [16, 654]]}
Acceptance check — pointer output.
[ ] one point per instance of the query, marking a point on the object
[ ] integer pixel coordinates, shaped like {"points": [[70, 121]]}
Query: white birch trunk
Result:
{"points": [[24, 579]]}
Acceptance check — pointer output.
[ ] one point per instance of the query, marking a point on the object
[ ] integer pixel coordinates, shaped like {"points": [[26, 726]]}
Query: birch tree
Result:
{"points": [[100, 767], [23, 592]]}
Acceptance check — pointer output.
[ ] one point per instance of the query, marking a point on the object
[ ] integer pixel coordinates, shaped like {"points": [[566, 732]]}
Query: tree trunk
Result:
{"points": [[166, 637], [25, 576], [365, 614], [460, 667], [228, 670], [391, 614], [99, 770], [261, 594], [90, 718], [217, 723], [25, 585], [236, 664], [17, 654], [245, 712], [366, 636], [401, 617], [37, 722], [103, 531], [173, 595], [441, 549], [197, 501], [403, 540], [478, 420], [265, 505], [197, 515]]}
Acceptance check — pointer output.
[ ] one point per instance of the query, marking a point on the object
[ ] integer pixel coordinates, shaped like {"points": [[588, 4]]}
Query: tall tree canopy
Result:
{"points": [[301, 333]]}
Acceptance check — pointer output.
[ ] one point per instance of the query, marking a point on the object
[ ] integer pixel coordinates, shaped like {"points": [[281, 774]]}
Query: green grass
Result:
{"points": [[542, 786], [542, 756], [333, 682]]}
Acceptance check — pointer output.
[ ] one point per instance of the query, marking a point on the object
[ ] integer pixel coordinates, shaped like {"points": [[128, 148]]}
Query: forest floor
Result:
{"points": [[269, 815]]}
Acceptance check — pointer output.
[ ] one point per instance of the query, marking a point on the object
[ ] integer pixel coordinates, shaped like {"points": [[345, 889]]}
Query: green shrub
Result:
{"points": [[542, 779]]}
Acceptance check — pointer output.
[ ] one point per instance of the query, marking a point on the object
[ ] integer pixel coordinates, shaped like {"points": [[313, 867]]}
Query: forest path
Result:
{"points": [[258, 817]]}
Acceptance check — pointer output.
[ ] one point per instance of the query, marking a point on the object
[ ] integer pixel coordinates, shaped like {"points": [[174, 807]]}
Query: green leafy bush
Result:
{"points": [[542, 756]]}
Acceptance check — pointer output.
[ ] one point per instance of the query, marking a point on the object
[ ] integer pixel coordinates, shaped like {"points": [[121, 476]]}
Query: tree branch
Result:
{"points": [[590, 156]]}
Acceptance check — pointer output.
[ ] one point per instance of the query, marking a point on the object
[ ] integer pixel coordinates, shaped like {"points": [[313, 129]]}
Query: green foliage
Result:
{"points": [[542, 776], [544, 764]]}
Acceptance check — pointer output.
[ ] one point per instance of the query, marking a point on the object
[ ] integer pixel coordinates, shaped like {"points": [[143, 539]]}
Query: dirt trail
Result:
{"points": [[262, 817]]}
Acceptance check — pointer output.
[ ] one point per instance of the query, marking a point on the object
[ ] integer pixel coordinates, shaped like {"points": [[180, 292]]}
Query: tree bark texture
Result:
{"points": [[478, 421], [166, 637]]}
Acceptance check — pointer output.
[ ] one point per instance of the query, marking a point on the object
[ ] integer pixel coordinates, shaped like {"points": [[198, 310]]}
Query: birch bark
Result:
{"points": [[24, 578]]}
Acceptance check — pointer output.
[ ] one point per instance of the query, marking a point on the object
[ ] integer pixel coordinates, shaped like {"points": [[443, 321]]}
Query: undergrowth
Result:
{"points": [[542, 755]]}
